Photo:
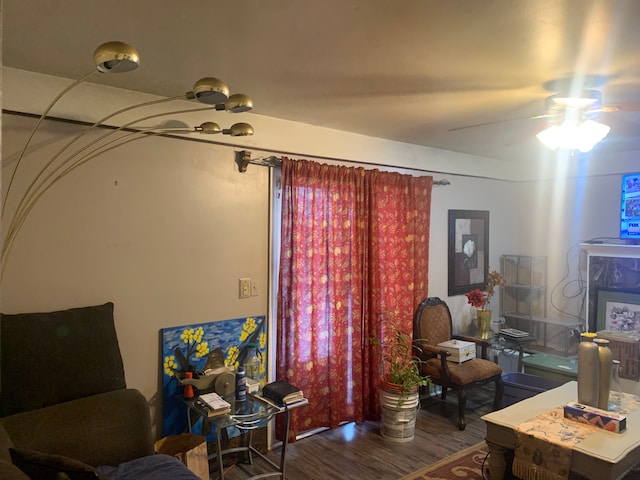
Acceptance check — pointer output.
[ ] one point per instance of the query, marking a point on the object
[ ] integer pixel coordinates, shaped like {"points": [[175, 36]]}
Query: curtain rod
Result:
{"points": [[243, 159], [266, 162]]}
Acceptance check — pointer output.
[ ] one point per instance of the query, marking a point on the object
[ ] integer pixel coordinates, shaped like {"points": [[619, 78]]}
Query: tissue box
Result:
{"points": [[604, 419], [460, 350]]}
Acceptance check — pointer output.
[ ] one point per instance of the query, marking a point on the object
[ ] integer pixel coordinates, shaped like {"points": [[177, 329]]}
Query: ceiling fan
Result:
{"points": [[572, 120], [586, 105], [572, 96]]}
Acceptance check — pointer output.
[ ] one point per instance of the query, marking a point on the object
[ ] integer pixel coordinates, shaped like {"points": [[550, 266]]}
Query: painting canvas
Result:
{"points": [[618, 310], [468, 250], [198, 347]]}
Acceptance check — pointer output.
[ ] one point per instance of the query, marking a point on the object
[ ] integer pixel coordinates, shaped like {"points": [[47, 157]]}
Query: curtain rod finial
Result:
{"points": [[243, 158]]}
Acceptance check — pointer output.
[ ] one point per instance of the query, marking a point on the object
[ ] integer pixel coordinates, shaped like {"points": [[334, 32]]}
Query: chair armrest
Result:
{"points": [[423, 350], [105, 429], [426, 351]]}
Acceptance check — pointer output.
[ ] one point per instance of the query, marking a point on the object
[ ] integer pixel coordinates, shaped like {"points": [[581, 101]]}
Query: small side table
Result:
{"points": [[517, 343], [248, 416]]}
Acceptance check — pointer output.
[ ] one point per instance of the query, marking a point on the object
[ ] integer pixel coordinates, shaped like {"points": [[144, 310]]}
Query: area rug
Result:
{"points": [[467, 464]]}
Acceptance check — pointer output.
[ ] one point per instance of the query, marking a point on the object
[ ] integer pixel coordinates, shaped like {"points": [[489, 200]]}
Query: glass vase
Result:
{"points": [[484, 323], [615, 395]]}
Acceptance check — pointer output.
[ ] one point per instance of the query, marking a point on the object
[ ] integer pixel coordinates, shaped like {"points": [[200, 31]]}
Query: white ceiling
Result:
{"points": [[406, 70]]}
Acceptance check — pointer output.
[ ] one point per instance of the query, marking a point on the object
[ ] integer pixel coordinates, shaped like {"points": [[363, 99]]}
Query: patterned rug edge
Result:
{"points": [[480, 449]]}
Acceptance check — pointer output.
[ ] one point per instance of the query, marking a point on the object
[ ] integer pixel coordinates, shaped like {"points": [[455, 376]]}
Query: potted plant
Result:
{"points": [[399, 385], [400, 367]]}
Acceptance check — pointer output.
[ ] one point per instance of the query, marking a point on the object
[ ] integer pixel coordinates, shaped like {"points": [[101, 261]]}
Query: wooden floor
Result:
{"points": [[356, 452]]}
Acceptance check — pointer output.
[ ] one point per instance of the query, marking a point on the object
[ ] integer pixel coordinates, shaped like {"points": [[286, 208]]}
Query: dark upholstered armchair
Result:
{"points": [[64, 403], [432, 325]]}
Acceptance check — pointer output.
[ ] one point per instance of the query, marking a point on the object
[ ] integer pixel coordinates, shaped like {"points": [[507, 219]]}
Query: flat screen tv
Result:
{"points": [[630, 209]]}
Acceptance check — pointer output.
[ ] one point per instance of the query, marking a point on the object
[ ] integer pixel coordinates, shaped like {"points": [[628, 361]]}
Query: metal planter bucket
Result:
{"points": [[398, 415]]}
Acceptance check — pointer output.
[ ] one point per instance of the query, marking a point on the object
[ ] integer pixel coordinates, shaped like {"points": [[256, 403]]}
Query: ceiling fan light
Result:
{"points": [[550, 137], [574, 136], [592, 134], [116, 57]]}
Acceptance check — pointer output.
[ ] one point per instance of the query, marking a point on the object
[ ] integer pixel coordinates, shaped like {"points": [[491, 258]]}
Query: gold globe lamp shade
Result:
{"points": [[116, 57], [211, 91], [239, 130], [208, 128], [236, 103]]}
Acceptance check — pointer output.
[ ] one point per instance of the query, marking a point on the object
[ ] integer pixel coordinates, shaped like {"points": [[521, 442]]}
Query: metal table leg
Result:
{"points": [[520, 356], [219, 452], [285, 441]]}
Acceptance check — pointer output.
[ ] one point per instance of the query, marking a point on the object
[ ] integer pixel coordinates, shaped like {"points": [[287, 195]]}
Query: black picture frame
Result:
{"points": [[468, 250], [618, 310]]}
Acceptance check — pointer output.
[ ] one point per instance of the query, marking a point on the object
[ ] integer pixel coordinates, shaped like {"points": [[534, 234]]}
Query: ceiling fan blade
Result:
{"points": [[577, 82], [622, 107], [495, 122]]}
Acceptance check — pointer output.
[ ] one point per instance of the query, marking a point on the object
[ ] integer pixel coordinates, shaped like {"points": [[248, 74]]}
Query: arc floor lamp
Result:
{"points": [[112, 57]]}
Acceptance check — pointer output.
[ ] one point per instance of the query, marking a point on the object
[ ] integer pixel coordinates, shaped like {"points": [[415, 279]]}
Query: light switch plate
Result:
{"points": [[245, 287]]}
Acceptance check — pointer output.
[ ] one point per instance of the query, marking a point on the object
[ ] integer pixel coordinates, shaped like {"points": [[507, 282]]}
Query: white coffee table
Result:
{"points": [[603, 455]]}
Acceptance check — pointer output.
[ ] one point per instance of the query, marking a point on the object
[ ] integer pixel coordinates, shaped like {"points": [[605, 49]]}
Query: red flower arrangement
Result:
{"points": [[480, 299], [476, 298]]}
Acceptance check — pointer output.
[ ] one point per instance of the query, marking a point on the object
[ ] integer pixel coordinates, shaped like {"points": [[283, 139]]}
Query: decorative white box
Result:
{"points": [[460, 350]]}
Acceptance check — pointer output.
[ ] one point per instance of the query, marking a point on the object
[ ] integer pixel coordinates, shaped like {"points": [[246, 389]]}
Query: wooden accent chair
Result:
{"points": [[432, 325]]}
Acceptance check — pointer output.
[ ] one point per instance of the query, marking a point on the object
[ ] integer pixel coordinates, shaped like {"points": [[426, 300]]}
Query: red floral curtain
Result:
{"points": [[354, 245], [397, 245]]}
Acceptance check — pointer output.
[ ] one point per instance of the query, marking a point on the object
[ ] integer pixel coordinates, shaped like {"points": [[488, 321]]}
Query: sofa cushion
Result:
{"points": [[106, 429], [81, 343], [152, 467], [42, 466], [8, 471], [5, 445]]}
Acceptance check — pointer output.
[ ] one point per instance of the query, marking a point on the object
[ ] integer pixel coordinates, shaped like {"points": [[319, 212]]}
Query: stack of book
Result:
{"points": [[514, 332], [282, 393], [211, 405]]}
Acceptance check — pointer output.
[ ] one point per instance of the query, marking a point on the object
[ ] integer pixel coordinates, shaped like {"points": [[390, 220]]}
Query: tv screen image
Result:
{"points": [[630, 208]]}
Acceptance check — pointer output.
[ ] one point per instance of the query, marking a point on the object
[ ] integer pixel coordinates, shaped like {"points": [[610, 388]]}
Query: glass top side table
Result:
{"points": [[248, 416], [499, 341]]}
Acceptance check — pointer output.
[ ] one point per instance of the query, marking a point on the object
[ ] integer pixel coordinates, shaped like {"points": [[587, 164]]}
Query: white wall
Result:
{"points": [[500, 199], [558, 216]]}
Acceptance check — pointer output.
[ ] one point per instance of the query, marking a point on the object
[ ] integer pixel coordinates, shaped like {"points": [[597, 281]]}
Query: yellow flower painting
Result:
{"points": [[200, 347]]}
